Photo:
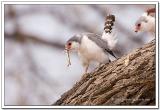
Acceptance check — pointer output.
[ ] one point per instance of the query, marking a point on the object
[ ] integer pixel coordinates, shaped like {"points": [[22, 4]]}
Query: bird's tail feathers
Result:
{"points": [[111, 39], [109, 23]]}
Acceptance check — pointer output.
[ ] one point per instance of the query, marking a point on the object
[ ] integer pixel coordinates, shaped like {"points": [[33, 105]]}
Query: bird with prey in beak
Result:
{"points": [[90, 47], [93, 47]]}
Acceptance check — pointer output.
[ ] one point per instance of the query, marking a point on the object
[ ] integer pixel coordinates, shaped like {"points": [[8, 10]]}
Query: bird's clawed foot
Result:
{"points": [[86, 66], [84, 75], [85, 72]]}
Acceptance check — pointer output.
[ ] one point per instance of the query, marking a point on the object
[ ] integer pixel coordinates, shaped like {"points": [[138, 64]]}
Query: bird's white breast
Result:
{"points": [[90, 51]]}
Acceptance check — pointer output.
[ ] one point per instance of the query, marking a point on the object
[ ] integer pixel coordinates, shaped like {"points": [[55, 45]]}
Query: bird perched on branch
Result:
{"points": [[146, 22], [109, 36], [90, 47], [93, 47]]}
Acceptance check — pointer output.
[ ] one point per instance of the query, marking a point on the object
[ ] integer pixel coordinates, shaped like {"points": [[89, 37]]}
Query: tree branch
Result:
{"points": [[21, 37], [129, 80]]}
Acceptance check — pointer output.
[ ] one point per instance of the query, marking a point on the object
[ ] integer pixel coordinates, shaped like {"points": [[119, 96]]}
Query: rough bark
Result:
{"points": [[129, 80]]}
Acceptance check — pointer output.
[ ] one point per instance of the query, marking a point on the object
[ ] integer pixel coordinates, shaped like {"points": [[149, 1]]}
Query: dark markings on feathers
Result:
{"points": [[101, 43], [150, 11], [110, 19]]}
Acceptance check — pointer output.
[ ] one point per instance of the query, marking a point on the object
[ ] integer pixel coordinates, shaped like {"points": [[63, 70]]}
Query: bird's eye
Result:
{"points": [[69, 44], [139, 25]]}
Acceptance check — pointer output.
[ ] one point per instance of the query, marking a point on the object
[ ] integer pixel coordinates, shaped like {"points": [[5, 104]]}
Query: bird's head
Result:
{"points": [[141, 24], [73, 43], [145, 23]]}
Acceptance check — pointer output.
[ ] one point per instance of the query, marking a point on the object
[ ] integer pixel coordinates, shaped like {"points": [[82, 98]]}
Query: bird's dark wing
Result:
{"points": [[101, 43], [110, 52]]}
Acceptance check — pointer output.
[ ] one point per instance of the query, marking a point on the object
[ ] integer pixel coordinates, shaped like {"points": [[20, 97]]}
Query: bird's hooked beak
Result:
{"points": [[68, 46], [136, 29]]}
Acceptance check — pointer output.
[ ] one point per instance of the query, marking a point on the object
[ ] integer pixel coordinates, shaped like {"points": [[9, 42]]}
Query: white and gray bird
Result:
{"points": [[146, 22], [90, 47], [108, 34]]}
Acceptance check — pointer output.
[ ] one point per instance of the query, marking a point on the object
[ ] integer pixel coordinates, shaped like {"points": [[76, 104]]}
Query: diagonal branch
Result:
{"points": [[129, 80]]}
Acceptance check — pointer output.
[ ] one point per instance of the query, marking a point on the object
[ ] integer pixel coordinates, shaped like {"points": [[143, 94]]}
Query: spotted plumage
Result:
{"points": [[109, 22], [108, 34]]}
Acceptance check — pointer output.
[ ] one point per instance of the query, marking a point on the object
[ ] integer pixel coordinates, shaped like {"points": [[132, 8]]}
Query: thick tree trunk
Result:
{"points": [[129, 80]]}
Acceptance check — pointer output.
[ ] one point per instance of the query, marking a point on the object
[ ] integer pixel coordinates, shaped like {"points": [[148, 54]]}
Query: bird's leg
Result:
{"points": [[86, 68], [99, 65], [85, 63]]}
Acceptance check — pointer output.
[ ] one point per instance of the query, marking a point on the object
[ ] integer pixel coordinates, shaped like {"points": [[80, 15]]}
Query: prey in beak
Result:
{"points": [[67, 49], [72, 44]]}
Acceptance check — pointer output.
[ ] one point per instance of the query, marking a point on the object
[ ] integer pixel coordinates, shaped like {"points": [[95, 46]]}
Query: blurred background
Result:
{"points": [[35, 61]]}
